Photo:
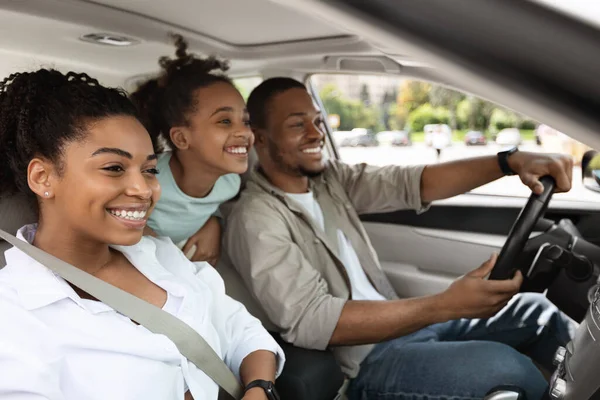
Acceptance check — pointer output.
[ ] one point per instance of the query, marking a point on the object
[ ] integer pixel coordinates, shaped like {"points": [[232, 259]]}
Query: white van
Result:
{"points": [[438, 135]]}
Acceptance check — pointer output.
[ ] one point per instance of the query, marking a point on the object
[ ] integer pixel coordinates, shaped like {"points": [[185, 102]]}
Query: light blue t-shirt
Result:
{"points": [[178, 215]]}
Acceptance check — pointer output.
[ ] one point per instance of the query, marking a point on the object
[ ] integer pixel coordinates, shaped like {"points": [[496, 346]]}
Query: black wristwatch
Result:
{"points": [[267, 386], [503, 161]]}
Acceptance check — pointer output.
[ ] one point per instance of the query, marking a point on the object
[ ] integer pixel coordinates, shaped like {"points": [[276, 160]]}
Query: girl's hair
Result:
{"points": [[168, 100], [41, 111]]}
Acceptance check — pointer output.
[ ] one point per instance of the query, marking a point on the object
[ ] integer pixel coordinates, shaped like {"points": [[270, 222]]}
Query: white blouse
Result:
{"points": [[56, 345]]}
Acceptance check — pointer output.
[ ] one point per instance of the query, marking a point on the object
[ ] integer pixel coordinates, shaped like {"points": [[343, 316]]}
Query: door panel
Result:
{"points": [[425, 261], [423, 254]]}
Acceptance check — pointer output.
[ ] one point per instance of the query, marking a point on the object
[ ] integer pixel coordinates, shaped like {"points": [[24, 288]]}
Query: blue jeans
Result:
{"points": [[464, 359]]}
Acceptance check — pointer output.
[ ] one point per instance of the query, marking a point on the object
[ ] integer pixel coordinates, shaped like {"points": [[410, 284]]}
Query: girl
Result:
{"points": [[195, 110]]}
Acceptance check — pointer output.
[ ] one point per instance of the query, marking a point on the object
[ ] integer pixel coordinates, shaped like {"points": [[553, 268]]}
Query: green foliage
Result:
{"points": [[353, 113], [528, 124], [426, 114], [397, 118], [415, 104], [502, 119], [413, 94]]}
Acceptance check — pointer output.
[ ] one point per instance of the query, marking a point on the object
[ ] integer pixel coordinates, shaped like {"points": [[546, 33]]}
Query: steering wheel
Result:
{"points": [[522, 228]]}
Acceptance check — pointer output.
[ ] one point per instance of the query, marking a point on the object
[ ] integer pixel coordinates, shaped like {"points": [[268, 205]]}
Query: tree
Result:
{"points": [[397, 118], [413, 94], [353, 113], [480, 113], [388, 107], [426, 114], [440, 96], [365, 95], [502, 119]]}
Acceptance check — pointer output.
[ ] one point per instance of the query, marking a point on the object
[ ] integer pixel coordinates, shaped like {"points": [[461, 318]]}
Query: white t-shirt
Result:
{"points": [[362, 289], [56, 345]]}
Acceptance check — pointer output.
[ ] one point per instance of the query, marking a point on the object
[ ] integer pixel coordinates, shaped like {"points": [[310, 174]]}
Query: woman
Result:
{"points": [[77, 149], [203, 120]]}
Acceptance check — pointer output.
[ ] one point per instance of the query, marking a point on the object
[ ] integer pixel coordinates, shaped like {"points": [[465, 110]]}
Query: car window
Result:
{"points": [[246, 84], [383, 120]]}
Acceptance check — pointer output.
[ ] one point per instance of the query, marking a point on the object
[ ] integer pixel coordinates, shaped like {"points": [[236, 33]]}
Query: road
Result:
{"points": [[419, 153]]}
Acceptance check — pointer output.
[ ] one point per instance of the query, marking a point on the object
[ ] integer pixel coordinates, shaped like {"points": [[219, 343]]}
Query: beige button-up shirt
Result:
{"points": [[292, 266]]}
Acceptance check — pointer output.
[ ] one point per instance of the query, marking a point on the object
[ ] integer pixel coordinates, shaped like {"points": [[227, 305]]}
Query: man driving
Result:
{"points": [[296, 239]]}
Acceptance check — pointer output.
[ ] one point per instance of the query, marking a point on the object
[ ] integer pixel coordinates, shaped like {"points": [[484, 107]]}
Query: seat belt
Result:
{"points": [[189, 342]]}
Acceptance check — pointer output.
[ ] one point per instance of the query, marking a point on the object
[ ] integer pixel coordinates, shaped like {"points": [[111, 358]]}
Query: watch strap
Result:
{"points": [[267, 386], [503, 161]]}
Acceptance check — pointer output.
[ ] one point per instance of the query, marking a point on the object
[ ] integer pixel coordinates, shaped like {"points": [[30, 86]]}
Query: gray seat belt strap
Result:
{"points": [[189, 343]]}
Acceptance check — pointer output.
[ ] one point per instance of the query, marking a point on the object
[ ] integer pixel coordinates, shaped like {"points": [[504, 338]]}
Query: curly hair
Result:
{"points": [[169, 99], [42, 111]]}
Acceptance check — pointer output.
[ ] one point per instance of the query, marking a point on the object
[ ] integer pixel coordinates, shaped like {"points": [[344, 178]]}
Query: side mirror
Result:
{"points": [[590, 170]]}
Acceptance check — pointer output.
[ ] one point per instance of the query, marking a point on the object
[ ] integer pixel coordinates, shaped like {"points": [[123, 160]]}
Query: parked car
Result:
{"points": [[509, 137], [368, 140], [343, 138], [358, 137], [394, 138], [475, 138]]}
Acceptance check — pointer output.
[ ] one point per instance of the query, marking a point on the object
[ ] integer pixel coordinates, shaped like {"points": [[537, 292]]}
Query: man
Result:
{"points": [[296, 239]]}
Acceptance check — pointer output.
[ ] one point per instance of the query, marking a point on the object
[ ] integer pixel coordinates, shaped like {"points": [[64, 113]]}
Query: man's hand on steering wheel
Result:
{"points": [[473, 296], [532, 166]]}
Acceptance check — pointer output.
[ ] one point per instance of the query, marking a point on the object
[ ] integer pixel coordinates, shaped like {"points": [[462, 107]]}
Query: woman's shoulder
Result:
{"points": [[19, 324]]}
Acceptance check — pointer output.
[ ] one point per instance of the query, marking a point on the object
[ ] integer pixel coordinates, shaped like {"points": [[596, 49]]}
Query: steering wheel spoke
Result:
{"points": [[505, 267]]}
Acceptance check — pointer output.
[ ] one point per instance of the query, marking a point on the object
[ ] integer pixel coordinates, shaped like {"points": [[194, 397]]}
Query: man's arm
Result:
{"points": [[380, 189], [393, 187], [441, 181], [296, 297], [366, 322]]}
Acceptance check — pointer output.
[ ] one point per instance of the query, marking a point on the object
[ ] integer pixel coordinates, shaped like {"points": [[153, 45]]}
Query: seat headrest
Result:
{"points": [[15, 211], [252, 163]]}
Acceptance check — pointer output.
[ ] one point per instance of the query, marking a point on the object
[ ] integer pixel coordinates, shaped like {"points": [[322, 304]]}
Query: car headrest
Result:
{"points": [[15, 211], [252, 163]]}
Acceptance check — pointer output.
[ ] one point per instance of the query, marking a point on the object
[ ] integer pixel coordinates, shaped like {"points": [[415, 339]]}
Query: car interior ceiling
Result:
{"points": [[562, 259]]}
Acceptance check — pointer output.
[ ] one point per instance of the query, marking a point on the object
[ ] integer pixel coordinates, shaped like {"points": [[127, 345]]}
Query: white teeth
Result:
{"points": [[238, 150], [129, 215], [314, 150]]}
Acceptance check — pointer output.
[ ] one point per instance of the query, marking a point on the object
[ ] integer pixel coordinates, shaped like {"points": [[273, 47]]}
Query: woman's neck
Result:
{"points": [[86, 254], [192, 177]]}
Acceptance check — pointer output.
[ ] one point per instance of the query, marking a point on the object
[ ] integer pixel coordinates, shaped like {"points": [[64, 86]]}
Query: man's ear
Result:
{"points": [[180, 136], [41, 177], [260, 137]]}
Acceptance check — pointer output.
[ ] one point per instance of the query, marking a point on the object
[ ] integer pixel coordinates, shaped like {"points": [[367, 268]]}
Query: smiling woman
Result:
{"points": [[200, 115], [88, 164]]}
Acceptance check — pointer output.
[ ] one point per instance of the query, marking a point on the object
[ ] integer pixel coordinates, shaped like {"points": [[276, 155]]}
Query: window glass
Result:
{"points": [[246, 85], [383, 120]]}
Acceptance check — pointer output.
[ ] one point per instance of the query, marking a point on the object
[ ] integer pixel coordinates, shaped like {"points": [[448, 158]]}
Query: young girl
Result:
{"points": [[195, 110], [86, 162]]}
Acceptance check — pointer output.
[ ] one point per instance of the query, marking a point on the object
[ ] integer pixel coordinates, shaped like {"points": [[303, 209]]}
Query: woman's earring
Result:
{"points": [[46, 194]]}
